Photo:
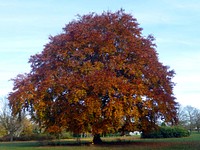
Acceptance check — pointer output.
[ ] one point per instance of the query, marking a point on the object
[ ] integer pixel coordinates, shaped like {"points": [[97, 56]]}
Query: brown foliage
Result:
{"points": [[100, 75]]}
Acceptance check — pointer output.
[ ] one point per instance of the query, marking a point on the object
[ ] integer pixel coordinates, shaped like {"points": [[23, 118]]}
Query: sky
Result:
{"points": [[25, 26]]}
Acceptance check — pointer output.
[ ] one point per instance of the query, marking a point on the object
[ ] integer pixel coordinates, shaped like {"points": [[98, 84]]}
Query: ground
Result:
{"points": [[112, 143]]}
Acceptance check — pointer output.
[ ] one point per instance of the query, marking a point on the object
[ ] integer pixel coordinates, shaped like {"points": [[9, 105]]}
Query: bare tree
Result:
{"points": [[11, 123], [196, 114], [182, 117], [189, 117], [189, 110]]}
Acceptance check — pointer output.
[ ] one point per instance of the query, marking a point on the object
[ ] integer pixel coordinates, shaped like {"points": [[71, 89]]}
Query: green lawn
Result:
{"points": [[120, 143]]}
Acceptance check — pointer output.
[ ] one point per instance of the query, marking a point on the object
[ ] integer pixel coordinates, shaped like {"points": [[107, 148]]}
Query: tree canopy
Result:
{"points": [[100, 75]]}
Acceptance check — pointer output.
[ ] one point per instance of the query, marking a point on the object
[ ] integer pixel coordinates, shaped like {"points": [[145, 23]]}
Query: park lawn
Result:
{"points": [[114, 143]]}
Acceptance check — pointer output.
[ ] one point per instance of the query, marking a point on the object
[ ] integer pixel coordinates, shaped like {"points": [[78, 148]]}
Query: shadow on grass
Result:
{"points": [[20, 144]]}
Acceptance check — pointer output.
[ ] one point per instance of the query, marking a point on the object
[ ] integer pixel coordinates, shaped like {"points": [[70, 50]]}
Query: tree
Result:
{"points": [[12, 124], [100, 76], [197, 119], [28, 127], [182, 117], [189, 117]]}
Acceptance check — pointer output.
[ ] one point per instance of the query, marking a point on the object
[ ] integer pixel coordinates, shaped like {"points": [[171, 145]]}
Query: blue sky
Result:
{"points": [[25, 26]]}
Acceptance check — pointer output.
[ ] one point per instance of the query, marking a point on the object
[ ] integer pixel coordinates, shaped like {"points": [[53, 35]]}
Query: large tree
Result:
{"points": [[100, 75]]}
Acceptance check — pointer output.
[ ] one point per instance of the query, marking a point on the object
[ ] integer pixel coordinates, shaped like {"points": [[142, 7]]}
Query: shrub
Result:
{"points": [[66, 135], [38, 137], [152, 134], [166, 132], [181, 132]]}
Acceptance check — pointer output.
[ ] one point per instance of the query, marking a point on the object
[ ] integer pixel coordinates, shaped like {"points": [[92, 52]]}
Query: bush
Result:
{"points": [[37, 137], [166, 132], [181, 132], [66, 135], [152, 134]]}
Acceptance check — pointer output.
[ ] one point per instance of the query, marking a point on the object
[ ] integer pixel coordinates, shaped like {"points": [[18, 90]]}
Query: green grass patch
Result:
{"points": [[119, 143]]}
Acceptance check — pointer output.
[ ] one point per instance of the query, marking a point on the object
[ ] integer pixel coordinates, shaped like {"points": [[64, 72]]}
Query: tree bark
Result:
{"points": [[97, 139], [11, 137]]}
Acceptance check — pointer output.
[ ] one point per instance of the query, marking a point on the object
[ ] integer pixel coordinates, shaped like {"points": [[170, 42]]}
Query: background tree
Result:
{"points": [[11, 124], [197, 119], [189, 111], [189, 117], [14, 126], [100, 75], [182, 117]]}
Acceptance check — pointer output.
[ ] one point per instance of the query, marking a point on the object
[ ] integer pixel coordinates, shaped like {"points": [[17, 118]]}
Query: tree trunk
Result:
{"points": [[198, 129], [11, 137], [97, 139]]}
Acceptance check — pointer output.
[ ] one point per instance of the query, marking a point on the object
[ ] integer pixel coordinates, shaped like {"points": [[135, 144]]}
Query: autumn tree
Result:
{"points": [[100, 75]]}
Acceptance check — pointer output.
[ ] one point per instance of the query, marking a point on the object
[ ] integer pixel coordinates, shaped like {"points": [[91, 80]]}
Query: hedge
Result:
{"points": [[167, 132]]}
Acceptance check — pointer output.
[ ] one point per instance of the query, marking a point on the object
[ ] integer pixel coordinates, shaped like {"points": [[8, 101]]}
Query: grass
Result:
{"points": [[117, 143]]}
